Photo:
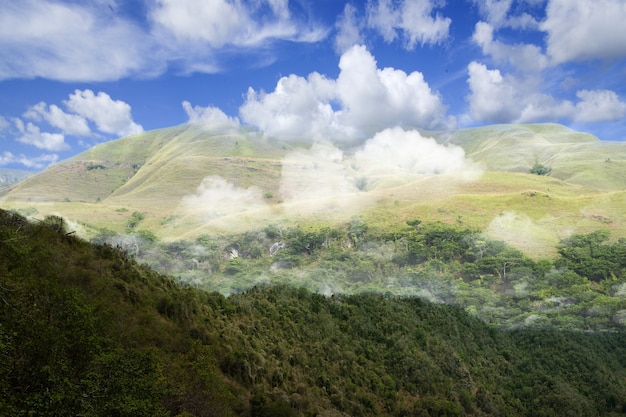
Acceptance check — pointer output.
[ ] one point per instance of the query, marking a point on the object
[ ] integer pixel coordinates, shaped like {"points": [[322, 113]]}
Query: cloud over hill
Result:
{"points": [[217, 198]]}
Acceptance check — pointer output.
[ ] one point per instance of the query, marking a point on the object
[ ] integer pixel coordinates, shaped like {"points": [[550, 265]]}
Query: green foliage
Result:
{"points": [[134, 220], [94, 166], [84, 330], [540, 169], [437, 261], [591, 257]]}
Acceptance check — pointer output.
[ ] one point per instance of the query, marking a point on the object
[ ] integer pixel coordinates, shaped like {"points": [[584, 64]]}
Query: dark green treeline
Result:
{"points": [[86, 331]]}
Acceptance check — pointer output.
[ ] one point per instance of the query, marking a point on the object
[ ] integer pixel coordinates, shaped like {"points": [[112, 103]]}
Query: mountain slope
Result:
{"points": [[84, 330], [574, 157], [187, 180]]}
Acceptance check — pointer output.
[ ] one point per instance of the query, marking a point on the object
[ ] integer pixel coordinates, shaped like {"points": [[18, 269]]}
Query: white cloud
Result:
{"points": [[324, 178], [219, 22], [215, 197], [496, 13], [348, 29], [37, 162], [32, 135], [374, 99], [360, 102], [402, 152], [521, 231], [525, 57], [210, 117], [297, 108], [598, 106], [585, 29], [215, 21], [110, 116], [70, 124], [93, 41], [492, 98], [317, 177], [508, 99], [410, 19], [69, 42]]}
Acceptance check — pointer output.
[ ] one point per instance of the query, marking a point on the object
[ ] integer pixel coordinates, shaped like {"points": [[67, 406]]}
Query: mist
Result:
{"points": [[316, 179], [405, 153], [218, 199], [326, 177]]}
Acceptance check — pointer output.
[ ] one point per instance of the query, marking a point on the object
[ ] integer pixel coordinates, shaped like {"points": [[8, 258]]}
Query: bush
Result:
{"points": [[540, 169]]}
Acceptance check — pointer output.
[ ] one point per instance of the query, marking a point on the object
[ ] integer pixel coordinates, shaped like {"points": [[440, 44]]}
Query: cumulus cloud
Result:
{"points": [[492, 98], [525, 57], [110, 116], [392, 97], [298, 107], [410, 19], [37, 162], [32, 135], [509, 99], [396, 151], [585, 29], [69, 42], [70, 124], [210, 117], [320, 108], [84, 107], [598, 106], [215, 198]]}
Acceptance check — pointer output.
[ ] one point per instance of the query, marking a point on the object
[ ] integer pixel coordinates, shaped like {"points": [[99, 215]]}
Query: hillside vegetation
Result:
{"points": [[85, 330], [520, 225], [178, 179]]}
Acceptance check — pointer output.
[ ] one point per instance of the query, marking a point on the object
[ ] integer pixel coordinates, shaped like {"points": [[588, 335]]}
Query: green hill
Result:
{"points": [[160, 175], [84, 330], [208, 208]]}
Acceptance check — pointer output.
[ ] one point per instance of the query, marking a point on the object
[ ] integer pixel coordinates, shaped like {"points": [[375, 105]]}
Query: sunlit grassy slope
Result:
{"points": [[155, 171]]}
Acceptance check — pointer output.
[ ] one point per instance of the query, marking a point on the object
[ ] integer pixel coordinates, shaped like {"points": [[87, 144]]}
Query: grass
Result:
{"points": [[152, 172]]}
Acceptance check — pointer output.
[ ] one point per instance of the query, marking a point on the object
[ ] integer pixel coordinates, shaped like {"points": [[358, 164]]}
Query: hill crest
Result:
{"points": [[241, 179]]}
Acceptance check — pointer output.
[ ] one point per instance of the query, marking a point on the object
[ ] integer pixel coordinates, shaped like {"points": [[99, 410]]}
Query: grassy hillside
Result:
{"points": [[574, 157], [160, 175], [84, 330]]}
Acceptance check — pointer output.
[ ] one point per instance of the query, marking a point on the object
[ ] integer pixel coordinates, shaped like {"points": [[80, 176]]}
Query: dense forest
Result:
{"points": [[581, 287], [86, 330]]}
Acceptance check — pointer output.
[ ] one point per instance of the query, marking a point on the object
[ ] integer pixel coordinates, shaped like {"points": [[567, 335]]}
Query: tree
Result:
{"points": [[589, 255], [540, 169]]}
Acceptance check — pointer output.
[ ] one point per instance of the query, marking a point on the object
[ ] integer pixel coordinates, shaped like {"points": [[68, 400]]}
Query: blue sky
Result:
{"points": [[77, 73]]}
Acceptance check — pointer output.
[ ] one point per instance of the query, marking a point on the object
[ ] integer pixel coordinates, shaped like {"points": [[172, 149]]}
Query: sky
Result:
{"points": [[75, 73]]}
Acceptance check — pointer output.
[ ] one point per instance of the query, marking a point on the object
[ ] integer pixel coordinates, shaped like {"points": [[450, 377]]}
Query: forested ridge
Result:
{"points": [[582, 287], [86, 330]]}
